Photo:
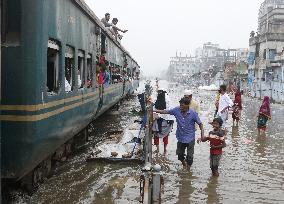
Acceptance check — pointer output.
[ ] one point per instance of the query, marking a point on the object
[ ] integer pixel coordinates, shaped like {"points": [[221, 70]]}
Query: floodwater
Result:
{"points": [[251, 169]]}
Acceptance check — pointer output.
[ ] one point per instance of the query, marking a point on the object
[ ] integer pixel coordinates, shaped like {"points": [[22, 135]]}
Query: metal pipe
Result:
{"points": [[156, 184]]}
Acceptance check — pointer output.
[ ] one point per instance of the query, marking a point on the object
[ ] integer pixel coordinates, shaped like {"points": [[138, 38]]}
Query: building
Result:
{"points": [[182, 67], [266, 52], [221, 63]]}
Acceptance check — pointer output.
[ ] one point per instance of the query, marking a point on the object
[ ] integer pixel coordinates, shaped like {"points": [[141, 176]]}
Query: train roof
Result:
{"points": [[93, 16]]}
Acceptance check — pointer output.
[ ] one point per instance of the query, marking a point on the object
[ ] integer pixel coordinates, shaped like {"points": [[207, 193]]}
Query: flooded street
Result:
{"points": [[251, 170]]}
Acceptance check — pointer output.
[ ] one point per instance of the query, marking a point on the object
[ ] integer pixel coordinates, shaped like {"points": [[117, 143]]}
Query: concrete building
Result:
{"points": [[214, 60], [182, 67], [266, 52], [242, 54]]}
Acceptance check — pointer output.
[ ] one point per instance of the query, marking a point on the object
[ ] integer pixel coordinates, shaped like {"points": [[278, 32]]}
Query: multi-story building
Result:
{"points": [[214, 59], [182, 66], [242, 54], [266, 50]]}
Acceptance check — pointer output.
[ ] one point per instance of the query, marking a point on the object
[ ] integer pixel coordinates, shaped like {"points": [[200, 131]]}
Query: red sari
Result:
{"points": [[237, 106], [264, 114]]}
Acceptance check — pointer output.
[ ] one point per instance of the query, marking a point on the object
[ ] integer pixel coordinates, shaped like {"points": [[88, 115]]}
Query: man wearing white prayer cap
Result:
{"points": [[193, 104]]}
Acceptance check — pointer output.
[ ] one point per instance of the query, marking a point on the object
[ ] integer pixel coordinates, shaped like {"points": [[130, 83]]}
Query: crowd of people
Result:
{"points": [[186, 115], [105, 73]]}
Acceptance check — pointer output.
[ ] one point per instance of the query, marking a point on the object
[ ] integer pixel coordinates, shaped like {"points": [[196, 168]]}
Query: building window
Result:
{"points": [[272, 54], [69, 69], [81, 68], [89, 71], [10, 22], [264, 54], [103, 44], [52, 67], [257, 47]]}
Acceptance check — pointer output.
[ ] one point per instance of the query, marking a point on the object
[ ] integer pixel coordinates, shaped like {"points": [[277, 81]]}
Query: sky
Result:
{"points": [[157, 29]]}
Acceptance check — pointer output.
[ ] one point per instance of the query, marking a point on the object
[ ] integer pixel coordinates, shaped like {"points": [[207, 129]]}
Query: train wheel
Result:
{"points": [[68, 148], [27, 183], [47, 167], [37, 177], [31, 181], [86, 133]]}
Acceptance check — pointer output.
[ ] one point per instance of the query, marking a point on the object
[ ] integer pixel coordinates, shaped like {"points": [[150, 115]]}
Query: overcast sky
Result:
{"points": [[159, 28]]}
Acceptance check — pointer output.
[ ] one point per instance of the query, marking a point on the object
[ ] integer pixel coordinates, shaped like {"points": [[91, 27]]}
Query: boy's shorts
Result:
{"points": [[215, 161]]}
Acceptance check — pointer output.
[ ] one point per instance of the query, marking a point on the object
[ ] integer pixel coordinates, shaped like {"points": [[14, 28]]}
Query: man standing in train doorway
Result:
{"points": [[185, 134]]}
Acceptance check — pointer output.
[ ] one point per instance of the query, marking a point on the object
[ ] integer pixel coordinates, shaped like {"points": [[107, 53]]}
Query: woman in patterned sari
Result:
{"points": [[263, 115], [237, 108]]}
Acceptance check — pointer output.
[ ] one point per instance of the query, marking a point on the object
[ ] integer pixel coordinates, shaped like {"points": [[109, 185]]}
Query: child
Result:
{"points": [[263, 115], [217, 142], [237, 108]]}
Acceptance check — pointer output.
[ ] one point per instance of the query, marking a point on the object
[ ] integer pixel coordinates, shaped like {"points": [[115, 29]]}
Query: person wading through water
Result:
{"points": [[185, 134], [264, 115], [237, 108], [224, 104]]}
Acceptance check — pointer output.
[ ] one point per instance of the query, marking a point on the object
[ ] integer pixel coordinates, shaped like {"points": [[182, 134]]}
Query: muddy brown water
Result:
{"points": [[251, 170]]}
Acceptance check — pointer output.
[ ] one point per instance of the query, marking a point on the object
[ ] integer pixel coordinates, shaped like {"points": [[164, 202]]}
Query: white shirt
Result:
{"points": [[224, 102], [67, 86]]}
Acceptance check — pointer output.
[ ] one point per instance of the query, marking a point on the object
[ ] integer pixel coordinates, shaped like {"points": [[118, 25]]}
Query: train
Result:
{"points": [[47, 46]]}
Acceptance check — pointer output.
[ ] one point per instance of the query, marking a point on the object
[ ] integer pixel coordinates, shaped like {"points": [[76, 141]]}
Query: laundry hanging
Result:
{"points": [[162, 127], [160, 103]]}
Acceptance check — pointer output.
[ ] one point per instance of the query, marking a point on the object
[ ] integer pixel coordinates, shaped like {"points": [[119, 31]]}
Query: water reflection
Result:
{"points": [[112, 191], [235, 131], [185, 187], [211, 191], [261, 145]]}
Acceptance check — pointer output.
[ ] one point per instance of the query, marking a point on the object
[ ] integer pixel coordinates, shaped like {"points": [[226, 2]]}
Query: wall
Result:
{"points": [[274, 90]]}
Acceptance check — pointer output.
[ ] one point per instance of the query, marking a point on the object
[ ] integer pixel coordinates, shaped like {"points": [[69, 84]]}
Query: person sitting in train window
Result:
{"points": [[105, 20], [89, 83], [106, 76], [115, 29], [79, 80], [67, 86], [100, 77], [102, 59]]}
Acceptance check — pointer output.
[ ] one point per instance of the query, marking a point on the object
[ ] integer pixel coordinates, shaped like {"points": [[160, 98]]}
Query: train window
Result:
{"points": [[52, 67], [89, 71], [69, 69], [103, 44], [81, 68], [10, 22]]}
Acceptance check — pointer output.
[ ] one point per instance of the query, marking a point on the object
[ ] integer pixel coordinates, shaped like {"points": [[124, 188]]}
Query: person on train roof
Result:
{"points": [[105, 20], [115, 29]]}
